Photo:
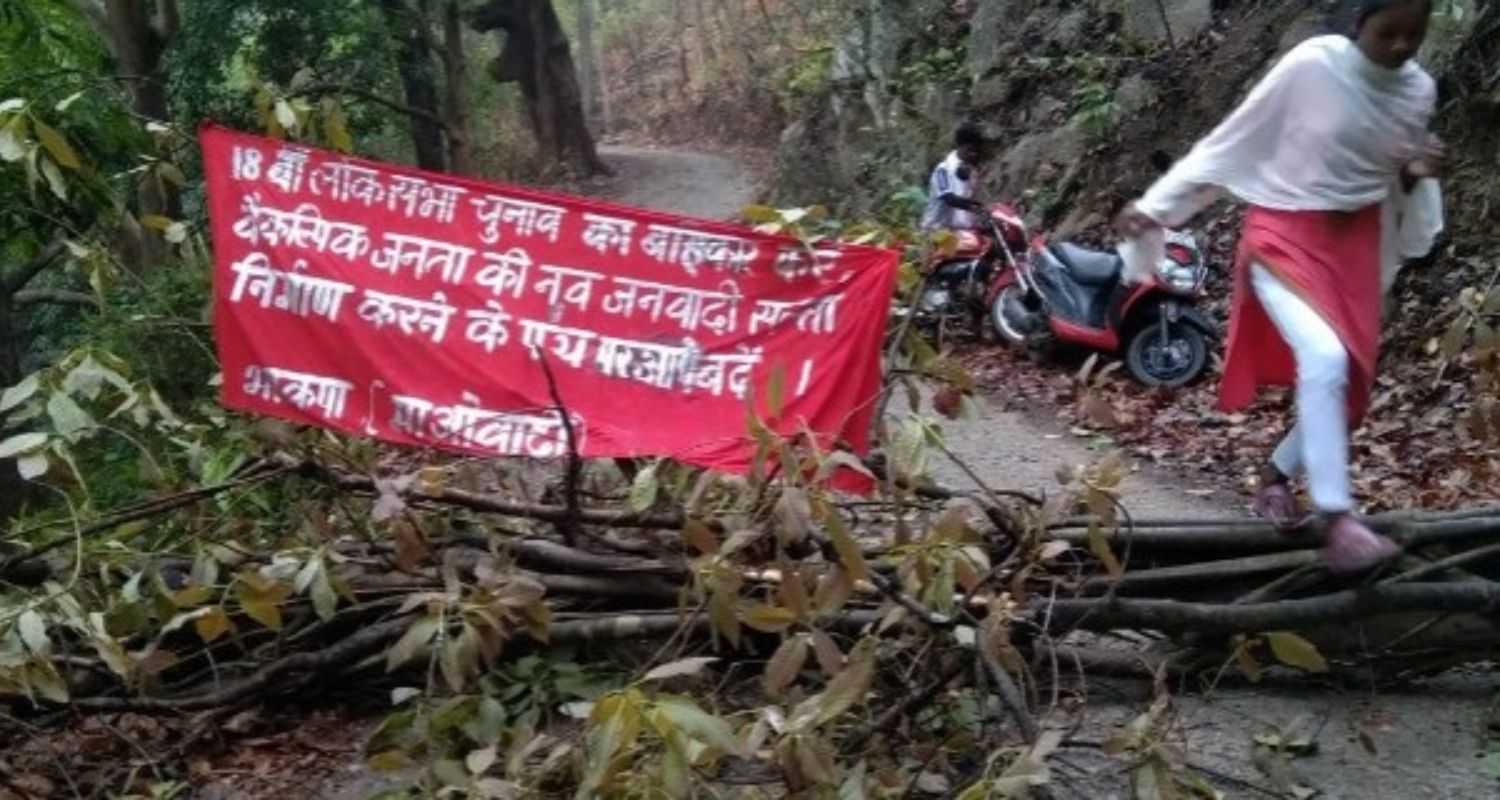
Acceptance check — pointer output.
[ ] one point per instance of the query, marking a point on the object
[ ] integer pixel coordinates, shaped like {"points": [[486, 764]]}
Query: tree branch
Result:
{"points": [[371, 97], [58, 296], [1173, 615], [12, 284]]}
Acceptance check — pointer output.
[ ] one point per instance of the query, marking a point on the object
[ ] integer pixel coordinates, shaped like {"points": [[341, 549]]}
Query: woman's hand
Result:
{"points": [[1431, 162], [1131, 222]]}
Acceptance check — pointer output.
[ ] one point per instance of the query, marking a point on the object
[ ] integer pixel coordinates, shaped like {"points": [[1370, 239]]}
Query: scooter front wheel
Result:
{"points": [[1168, 358]]}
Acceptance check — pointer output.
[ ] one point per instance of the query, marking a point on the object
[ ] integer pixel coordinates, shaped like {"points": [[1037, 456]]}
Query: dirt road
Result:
{"points": [[678, 181]]}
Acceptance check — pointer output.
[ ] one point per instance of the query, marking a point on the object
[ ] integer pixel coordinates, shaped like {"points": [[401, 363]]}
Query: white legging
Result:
{"points": [[1319, 441]]}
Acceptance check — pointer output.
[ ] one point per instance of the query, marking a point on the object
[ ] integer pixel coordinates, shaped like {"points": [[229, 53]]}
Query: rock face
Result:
{"points": [[1162, 21], [870, 131]]}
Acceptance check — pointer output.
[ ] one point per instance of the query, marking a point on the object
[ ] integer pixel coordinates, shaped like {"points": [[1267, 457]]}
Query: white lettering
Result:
{"points": [[409, 316], [305, 391]]}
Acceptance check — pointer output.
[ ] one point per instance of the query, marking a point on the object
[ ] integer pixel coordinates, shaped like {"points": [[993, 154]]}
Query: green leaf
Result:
{"points": [[336, 125], [33, 466], [785, 663], [768, 618], [171, 173], [325, 599], [759, 215], [1295, 651], [286, 117], [644, 489], [677, 669], [698, 724], [156, 222], [1099, 546], [845, 690], [54, 178], [850, 556], [48, 682], [56, 144], [22, 444], [479, 761], [213, 625], [12, 149], [411, 643], [34, 633], [776, 389], [20, 393], [67, 102], [261, 599], [389, 761], [68, 418]]}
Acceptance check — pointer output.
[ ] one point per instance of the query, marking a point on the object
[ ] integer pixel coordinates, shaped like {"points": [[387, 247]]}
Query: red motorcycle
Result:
{"points": [[959, 285]]}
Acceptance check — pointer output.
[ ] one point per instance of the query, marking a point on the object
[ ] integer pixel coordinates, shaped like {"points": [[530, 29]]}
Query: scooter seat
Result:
{"points": [[1089, 267]]}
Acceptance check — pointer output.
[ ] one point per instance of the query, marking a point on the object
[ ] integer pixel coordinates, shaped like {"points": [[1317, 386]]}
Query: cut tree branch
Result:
{"points": [[1173, 616], [55, 296]]}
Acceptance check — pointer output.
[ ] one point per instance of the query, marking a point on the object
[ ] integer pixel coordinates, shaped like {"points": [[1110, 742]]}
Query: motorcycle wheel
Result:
{"points": [[1004, 326], [1169, 365]]}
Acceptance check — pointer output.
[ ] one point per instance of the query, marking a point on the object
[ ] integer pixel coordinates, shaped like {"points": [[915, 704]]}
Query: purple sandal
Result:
{"points": [[1351, 547], [1276, 504]]}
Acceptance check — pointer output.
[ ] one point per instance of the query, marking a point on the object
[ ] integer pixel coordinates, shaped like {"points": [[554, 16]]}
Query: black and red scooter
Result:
{"points": [[1076, 296]]}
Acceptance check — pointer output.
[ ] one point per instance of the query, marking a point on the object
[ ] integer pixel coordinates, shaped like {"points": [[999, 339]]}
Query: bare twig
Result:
{"points": [[570, 525], [146, 511]]}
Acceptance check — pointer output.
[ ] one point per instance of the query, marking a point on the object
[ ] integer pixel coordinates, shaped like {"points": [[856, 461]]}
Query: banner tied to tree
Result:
{"points": [[428, 310]]}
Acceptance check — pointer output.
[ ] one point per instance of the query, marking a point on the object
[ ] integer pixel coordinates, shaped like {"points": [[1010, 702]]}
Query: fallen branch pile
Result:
{"points": [[667, 572]]}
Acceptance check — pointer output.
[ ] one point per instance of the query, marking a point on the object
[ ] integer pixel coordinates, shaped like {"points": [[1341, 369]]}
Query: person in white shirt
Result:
{"points": [[950, 190]]}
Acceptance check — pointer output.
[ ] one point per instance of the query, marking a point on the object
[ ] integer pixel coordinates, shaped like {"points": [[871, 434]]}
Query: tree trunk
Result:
{"points": [[456, 67], [705, 34], [684, 67], [414, 60], [537, 56], [138, 43], [588, 71], [601, 81]]}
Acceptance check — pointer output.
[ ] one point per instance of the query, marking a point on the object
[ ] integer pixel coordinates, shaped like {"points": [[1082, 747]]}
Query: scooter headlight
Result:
{"points": [[1177, 277]]}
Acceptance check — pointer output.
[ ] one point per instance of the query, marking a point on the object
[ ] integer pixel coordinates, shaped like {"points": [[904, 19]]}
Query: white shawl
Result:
{"points": [[1325, 130]]}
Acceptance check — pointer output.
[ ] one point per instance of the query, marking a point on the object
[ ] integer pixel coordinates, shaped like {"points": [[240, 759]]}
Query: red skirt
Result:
{"points": [[1331, 259]]}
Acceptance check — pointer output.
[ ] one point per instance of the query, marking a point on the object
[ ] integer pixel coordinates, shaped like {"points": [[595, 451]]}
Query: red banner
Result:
{"points": [[418, 308]]}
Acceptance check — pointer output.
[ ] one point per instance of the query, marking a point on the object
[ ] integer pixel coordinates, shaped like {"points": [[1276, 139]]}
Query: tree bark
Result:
{"points": [[601, 82], [588, 73], [414, 61], [138, 43], [537, 56], [456, 68]]}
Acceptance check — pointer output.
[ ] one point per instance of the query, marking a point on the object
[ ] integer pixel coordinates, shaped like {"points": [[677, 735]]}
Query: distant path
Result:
{"points": [[677, 181]]}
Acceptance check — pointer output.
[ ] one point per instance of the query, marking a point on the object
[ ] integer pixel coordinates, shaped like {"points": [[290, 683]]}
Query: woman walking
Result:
{"points": [[1332, 153]]}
